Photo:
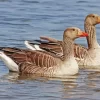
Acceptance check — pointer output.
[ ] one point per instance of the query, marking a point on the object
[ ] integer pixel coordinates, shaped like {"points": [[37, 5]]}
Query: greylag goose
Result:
{"points": [[42, 62], [85, 56]]}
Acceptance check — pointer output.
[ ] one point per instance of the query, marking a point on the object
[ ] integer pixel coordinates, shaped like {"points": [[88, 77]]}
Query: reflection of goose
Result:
{"points": [[84, 56], [11, 76], [68, 78], [17, 78], [44, 63]]}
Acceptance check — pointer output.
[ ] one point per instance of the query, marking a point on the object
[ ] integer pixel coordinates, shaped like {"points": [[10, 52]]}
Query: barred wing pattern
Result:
{"points": [[32, 61], [80, 52], [56, 48]]}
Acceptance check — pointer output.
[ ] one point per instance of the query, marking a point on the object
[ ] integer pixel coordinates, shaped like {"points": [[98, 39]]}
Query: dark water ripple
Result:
{"points": [[27, 20]]}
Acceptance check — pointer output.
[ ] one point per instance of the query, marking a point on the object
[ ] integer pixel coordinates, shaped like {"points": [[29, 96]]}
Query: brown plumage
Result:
{"points": [[84, 56], [42, 62]]}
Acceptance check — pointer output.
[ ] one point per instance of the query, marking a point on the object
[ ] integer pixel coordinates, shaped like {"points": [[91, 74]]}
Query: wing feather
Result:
{"points": [[40, 59], [55, 47]]}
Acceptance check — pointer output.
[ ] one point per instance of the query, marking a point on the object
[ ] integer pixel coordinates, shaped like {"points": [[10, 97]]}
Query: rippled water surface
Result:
{"points": [[27, 20]]}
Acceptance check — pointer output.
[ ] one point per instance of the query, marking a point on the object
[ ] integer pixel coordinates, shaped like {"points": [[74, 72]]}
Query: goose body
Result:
{"points": [[42, 62], [91, 59], [87, 57]]}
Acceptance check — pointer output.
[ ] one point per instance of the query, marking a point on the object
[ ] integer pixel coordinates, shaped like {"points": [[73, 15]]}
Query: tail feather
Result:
{"points": [[12, 66], [48, 39]]}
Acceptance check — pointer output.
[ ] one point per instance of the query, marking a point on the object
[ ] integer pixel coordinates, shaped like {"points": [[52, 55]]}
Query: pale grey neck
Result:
{"points": [[68, 48], [91, 39]]}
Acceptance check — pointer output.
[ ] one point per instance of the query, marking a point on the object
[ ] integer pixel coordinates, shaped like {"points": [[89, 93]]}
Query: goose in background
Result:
{"points": [[87, 57], [44, 63]]}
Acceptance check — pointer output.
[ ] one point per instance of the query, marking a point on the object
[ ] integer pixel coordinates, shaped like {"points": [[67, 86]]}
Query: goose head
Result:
{"points": [[92, 19], [73, 33]]}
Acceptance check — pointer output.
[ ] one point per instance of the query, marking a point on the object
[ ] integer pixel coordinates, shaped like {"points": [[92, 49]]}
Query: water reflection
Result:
{"points": [[15, 76], [50, 86], [77, 86]]}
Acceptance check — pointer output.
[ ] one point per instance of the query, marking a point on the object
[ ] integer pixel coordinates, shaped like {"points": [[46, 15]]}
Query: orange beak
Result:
{"points": [[83, 34], [98, 20]]}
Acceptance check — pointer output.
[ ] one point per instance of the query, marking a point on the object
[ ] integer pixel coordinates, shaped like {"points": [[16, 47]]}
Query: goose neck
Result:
{"points": [[91, 39], [68, 48]]}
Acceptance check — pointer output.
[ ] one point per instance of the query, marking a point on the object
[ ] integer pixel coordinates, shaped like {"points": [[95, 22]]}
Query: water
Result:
{"points": [[27, 20]]}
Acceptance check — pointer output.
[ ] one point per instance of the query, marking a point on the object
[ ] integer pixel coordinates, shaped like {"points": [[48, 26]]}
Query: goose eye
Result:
{"points": [[93, 16], [73, 29]]}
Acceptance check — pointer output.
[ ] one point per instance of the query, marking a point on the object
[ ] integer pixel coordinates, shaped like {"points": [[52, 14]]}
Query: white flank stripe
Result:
{"points": [[12, 66], [29, 46]]}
